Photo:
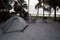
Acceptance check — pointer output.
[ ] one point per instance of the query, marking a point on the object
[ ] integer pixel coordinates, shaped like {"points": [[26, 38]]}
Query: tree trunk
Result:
{"points": [[37, 13], [55, 15], [50, 12], [43, 11], [21, 11], [28, 6]]}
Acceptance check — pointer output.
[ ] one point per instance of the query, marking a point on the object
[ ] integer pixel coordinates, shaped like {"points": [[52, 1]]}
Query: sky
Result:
{"points": [[32, 4]]}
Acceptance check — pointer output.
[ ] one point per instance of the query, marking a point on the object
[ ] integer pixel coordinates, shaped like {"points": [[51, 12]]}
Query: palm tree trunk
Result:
{"points": [[43, 11], [55, 15], [37, 13], [28, 5], [50, 12]]}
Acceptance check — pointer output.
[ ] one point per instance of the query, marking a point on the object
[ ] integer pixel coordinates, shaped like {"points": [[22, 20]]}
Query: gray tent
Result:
{"points": [[14, 24]]}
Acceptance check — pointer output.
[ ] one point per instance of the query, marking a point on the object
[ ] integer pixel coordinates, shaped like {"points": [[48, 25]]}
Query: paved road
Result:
{"points": [[36, 31]]}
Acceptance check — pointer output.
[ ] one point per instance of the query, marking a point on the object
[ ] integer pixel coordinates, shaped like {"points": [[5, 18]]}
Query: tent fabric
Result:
{"points": [[13, 24]]}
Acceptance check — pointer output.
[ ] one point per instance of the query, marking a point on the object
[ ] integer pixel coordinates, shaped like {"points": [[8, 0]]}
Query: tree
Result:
{"points": [[48, 9], [20, 8], [37, 6], [54, 4], [4, 10], [25, 6], [5, 4], [40, 2]]}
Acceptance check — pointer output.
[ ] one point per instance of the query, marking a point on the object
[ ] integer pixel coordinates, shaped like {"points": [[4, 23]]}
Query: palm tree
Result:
{"points": [[48, 9], [54, 4], [37, 6], [42, 2]]}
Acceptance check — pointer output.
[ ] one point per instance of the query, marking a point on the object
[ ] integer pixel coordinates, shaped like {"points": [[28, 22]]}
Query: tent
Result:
{"points": [[14, 24]]}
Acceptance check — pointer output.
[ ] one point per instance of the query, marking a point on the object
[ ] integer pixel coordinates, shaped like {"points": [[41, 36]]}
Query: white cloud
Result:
{"points": [[32, 4]]}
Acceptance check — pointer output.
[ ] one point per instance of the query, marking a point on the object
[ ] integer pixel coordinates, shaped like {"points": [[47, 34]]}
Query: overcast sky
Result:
{"points": [[32, 4]]}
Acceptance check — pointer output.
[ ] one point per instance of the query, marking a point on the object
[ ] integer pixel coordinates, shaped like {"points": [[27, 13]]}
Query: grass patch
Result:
{"points": [[51, 18]]}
